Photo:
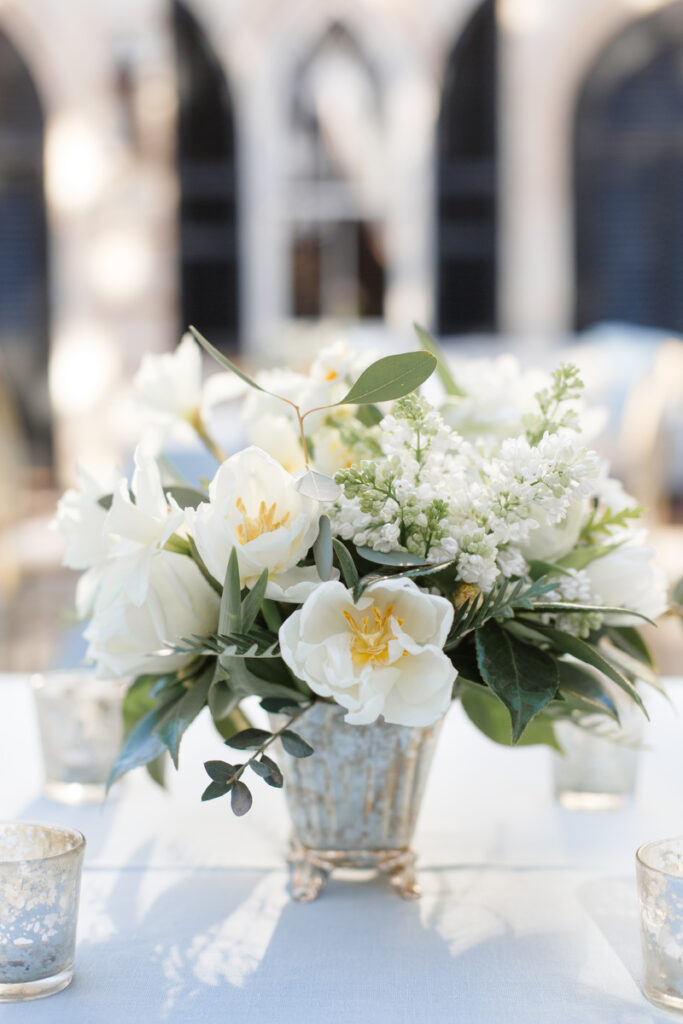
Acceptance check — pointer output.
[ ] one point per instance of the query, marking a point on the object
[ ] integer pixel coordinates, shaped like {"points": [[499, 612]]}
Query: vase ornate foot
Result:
{"points": [[354, 803], [311, 869], [400, 869]]}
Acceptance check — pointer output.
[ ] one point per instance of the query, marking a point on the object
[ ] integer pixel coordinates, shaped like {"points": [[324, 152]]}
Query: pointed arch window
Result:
{"points": [[628, 147], [467, 181], [335, 191], [208, 186], [23, 252]]}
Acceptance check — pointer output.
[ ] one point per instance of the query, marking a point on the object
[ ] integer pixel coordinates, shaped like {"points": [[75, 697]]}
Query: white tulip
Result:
{"points": [[549, 542], [125, 639], [80, 521], [627, 577], [255, 508], [170, 387], [140, 526], [381, 656], [280, 438]]}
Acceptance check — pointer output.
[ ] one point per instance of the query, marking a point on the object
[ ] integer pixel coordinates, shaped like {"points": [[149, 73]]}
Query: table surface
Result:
{"points": [[528, 912]]}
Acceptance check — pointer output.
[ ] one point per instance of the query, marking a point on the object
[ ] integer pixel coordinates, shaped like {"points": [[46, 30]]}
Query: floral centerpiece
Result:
{"points": [[369, 557]]}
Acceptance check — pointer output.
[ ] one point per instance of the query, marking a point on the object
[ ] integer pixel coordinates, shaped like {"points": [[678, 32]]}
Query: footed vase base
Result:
{"points": [[311, 868]]}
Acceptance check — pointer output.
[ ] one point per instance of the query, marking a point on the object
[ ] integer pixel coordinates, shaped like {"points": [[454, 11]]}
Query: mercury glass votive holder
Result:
{"points": [[40, 878], [598, 772], [81, 732], [659, 869]]}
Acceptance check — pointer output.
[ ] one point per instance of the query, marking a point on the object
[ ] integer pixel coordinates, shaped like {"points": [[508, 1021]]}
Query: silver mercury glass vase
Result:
{"points": [[354, 802]]}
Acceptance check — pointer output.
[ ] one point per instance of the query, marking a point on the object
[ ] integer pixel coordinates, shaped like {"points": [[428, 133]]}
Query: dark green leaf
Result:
{"points": [[322, 549], [183, 712], [279, 706], [216, 789], [430, 345], [220, 771], [521, 675], [565, 643], [390, 378], [249, 739], [221, 699], [579, 558], [225, 362], [272, 615], [142, 746], [346, 563], [140, 699], [187, 497], [252, 603], [492, 718], [629, 640], [240, 798], [294, 745], [268, 771], [578, 682], [318, 486], [538, 568], [199, 562], [227, 726]]}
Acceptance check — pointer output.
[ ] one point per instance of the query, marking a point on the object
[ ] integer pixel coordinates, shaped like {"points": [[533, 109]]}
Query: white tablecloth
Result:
{"points": [[528, 915]]}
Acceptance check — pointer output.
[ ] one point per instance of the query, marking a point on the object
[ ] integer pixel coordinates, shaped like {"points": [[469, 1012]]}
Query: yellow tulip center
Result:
{"points": [[371, 637], [265, 521], [331, 375]]}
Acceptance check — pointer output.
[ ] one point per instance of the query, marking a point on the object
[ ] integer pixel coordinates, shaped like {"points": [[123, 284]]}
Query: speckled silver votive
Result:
{"points": [[81, 732], [40, 877], [659, 867]]}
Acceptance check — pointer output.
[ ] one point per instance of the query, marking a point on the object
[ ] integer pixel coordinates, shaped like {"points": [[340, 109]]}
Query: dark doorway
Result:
{"points": [[24, 341], [209, 248], [467, 181], [629, 179]]}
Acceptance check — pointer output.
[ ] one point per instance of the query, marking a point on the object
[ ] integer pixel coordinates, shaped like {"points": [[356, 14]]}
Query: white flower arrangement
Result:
{"points": [[367, 548]]}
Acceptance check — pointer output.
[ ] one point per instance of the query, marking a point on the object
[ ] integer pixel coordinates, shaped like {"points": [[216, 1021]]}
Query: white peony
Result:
{"points": [[381, 656], [627, 577], [255, 508], [125, 639]]}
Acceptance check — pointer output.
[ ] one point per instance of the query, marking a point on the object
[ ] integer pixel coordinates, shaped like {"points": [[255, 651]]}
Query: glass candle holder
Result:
{"points": [[598, 772], [81, 732], [659, 869], [40, 878]]}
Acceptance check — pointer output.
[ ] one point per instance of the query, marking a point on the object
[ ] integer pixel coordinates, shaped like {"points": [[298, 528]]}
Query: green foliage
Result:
{"points": [[390, 377], [323, 551], [629, 640], [240, 798], [566, 386], [493, 719], [522, 676], [187, 497], [346, 563], [584, 691], [226, 363], [430, 345], [503, 603], [606, 521]]}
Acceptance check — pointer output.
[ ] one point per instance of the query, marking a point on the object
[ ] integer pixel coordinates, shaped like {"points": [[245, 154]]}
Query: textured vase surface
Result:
{"points": [[355, 801]]}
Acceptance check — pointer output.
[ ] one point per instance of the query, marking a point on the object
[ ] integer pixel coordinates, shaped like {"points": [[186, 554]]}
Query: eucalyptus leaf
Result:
{"points": [[216, 789], [430, 345], [390, 378], [369, 415], [346, 563], [323, 551], [294, 745], [249, 739], [279, 706], [318, 486], [220, 771], [240, 798], [268, 771], [399, 559], [521, 675], [186, 497], [225, 362], [579, 558]]}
